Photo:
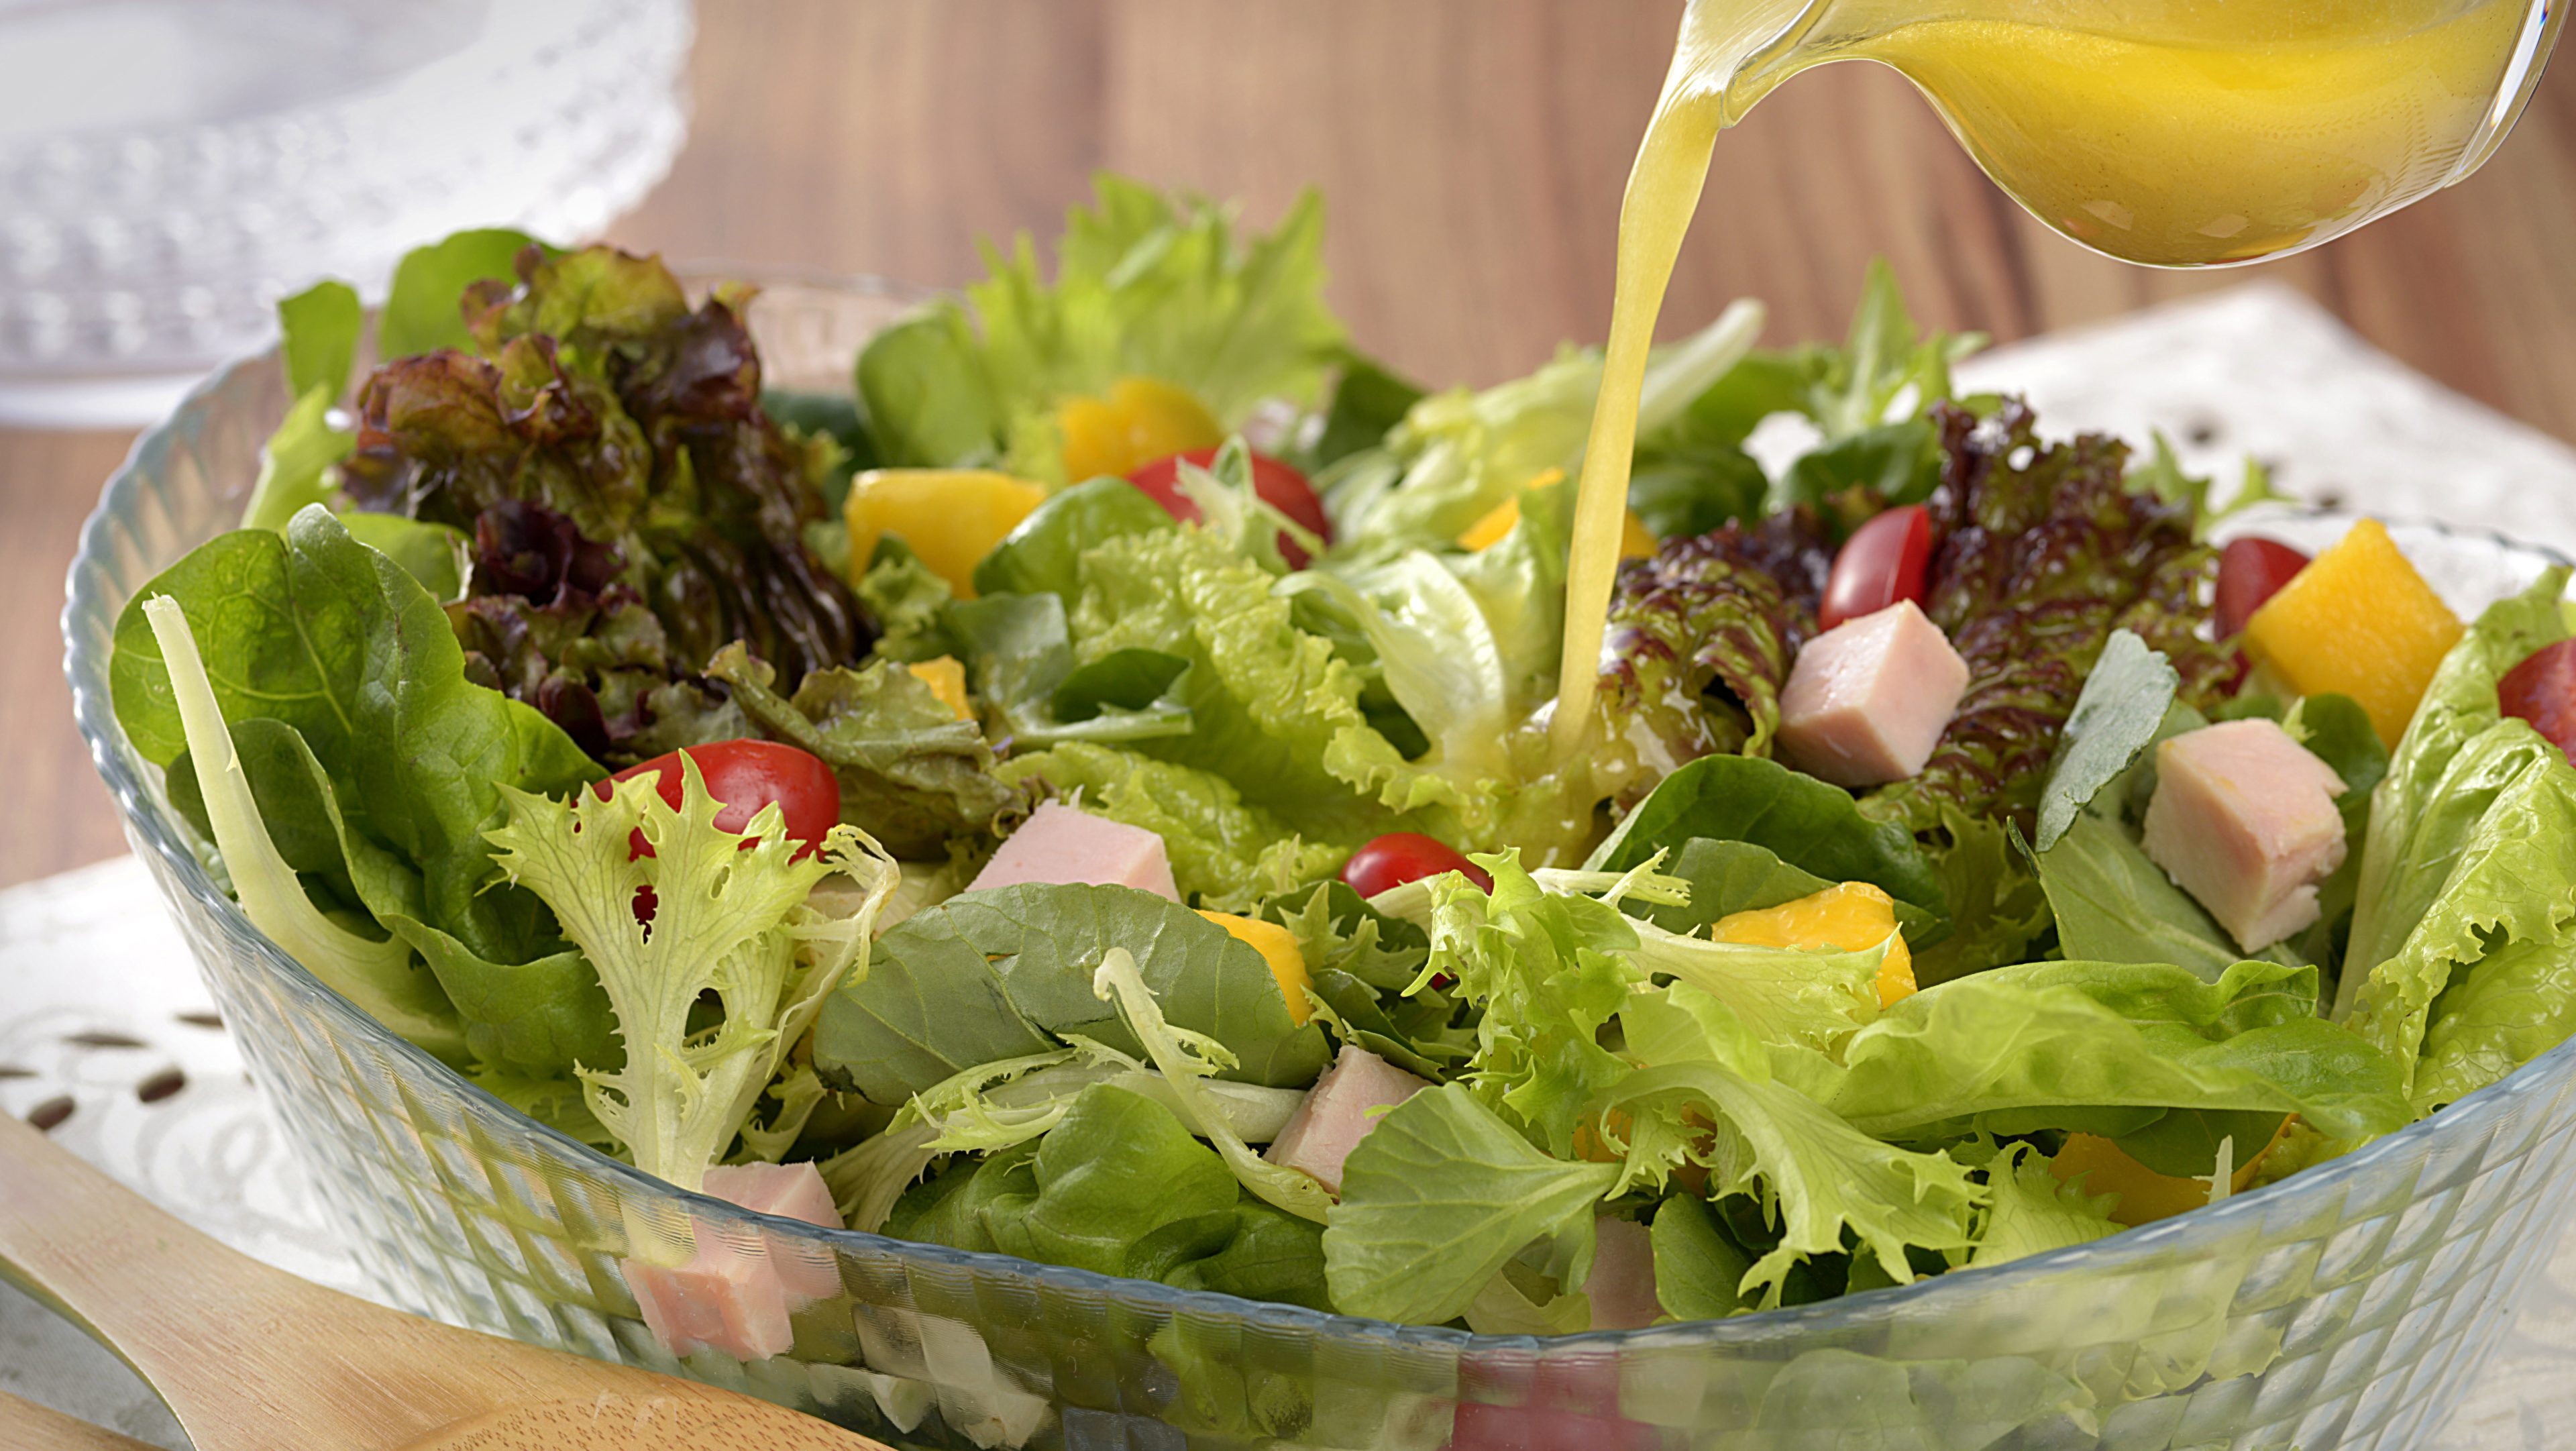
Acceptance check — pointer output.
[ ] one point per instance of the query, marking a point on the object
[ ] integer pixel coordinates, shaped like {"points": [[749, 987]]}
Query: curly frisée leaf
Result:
{"points": [[729, 917]]}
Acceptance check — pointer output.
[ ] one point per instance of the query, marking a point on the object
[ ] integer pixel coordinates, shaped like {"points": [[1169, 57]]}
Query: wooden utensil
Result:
{"points": [[250, 1358], [26, 1426]]}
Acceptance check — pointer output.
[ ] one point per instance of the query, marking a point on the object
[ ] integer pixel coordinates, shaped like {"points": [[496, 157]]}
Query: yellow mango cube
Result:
{"points": [[1852, 917], [2145, 1195], [2358, 621], [1142, 420], [952, 518], [1278, 947], [1636, 541], [947, 680]]}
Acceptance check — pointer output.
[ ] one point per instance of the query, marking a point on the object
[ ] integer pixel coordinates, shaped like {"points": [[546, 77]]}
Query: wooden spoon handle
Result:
{"points": [[159, 1294], [26, 1426]]}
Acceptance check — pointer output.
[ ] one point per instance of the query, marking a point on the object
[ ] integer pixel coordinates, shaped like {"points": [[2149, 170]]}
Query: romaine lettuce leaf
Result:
{"points": [[2456, 846]]}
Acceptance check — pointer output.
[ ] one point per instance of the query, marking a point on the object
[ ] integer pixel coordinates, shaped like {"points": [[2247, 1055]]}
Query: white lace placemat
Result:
{"points": [[106, 1031]]}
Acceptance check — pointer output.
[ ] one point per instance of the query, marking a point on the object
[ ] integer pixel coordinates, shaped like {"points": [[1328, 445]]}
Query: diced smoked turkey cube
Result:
{"points": [[738, 1299], [1059, 843], [2244, 819], [1621, 1284], [1868, 699], [1338, 1112]]}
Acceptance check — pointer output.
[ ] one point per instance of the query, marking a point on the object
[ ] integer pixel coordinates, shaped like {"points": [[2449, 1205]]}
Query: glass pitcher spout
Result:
{"points": [[2167, 132]]}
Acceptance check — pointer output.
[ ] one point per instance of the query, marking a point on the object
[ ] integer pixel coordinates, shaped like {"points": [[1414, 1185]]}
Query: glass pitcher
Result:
{"points": [[2168, 132]]}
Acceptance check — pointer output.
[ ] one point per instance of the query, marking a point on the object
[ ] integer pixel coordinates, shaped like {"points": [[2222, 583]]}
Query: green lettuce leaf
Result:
{"points": [[1272, 708], [1369, 400], [1823, 1178], [1114, 1176], [1439, 1197], [1460, 455], [2052, 1044], [1226, 855], [422, 312], [1999, 910], [992, 975], [295, 463], [910, 603]]}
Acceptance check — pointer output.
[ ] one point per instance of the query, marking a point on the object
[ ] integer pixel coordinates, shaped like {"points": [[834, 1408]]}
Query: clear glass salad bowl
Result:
{"points": [[2344, 1308]]}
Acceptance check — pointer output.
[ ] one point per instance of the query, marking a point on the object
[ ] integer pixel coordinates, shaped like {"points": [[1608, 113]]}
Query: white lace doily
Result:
{"points": [[101, 1012]]}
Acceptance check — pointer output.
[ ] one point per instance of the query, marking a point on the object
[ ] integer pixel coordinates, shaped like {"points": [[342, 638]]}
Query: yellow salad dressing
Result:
{"points": [[2168, 132]]}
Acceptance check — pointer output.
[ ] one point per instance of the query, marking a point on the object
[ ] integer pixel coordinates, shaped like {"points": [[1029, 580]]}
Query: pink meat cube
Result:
{"points": [[1059, 843], [1868, 699], [1621, 1285], [1338, 1112], [738, 1300], [2244, 819]]}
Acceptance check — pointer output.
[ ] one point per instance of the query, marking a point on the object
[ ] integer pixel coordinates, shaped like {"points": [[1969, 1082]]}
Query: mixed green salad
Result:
{"points": [[1086, 791]]}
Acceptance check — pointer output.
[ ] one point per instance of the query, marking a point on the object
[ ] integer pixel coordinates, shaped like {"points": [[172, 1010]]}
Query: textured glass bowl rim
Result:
{"points": [[147, 821]]}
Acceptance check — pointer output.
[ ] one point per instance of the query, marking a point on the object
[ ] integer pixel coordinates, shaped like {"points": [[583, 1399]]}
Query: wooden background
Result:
{"points": [[1472, 153]]}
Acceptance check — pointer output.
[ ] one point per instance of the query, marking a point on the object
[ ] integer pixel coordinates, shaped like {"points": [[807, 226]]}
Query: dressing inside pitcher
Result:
{"points": [[2176, 133]]}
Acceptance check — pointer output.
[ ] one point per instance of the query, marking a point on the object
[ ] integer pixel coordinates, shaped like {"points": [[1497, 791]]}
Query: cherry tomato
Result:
{"points": [[2250, 571], [2542, 690], [1278, 485], [746, 776], [1406, 856], [1882, 563]]}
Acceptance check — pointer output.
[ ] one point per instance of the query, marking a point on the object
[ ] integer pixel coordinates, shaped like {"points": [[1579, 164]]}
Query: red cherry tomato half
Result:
{"points": [[2542, 690], [1406, 856], [1275, 483], [746, 776], [2250, 571], [1882, 563]]}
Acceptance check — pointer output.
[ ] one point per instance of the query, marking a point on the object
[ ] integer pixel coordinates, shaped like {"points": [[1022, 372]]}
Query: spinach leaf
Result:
{"points": [[1118, 1168], [1896, 462], [434, 554], [2113, 904], [928, 399], [998, 974], [1042, 555], [1697, 1268], [1806, 823], [1019, 651], [319, 330], [1368, 401], [2120, 712], [1269, 1255], [424, 310]]}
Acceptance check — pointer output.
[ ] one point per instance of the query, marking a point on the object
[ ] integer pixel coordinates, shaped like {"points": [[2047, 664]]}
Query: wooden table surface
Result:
{"points": [[1472, 153]]}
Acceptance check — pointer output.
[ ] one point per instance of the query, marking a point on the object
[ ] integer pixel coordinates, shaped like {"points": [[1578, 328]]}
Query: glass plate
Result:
{"points": [[2342, 1308]]}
